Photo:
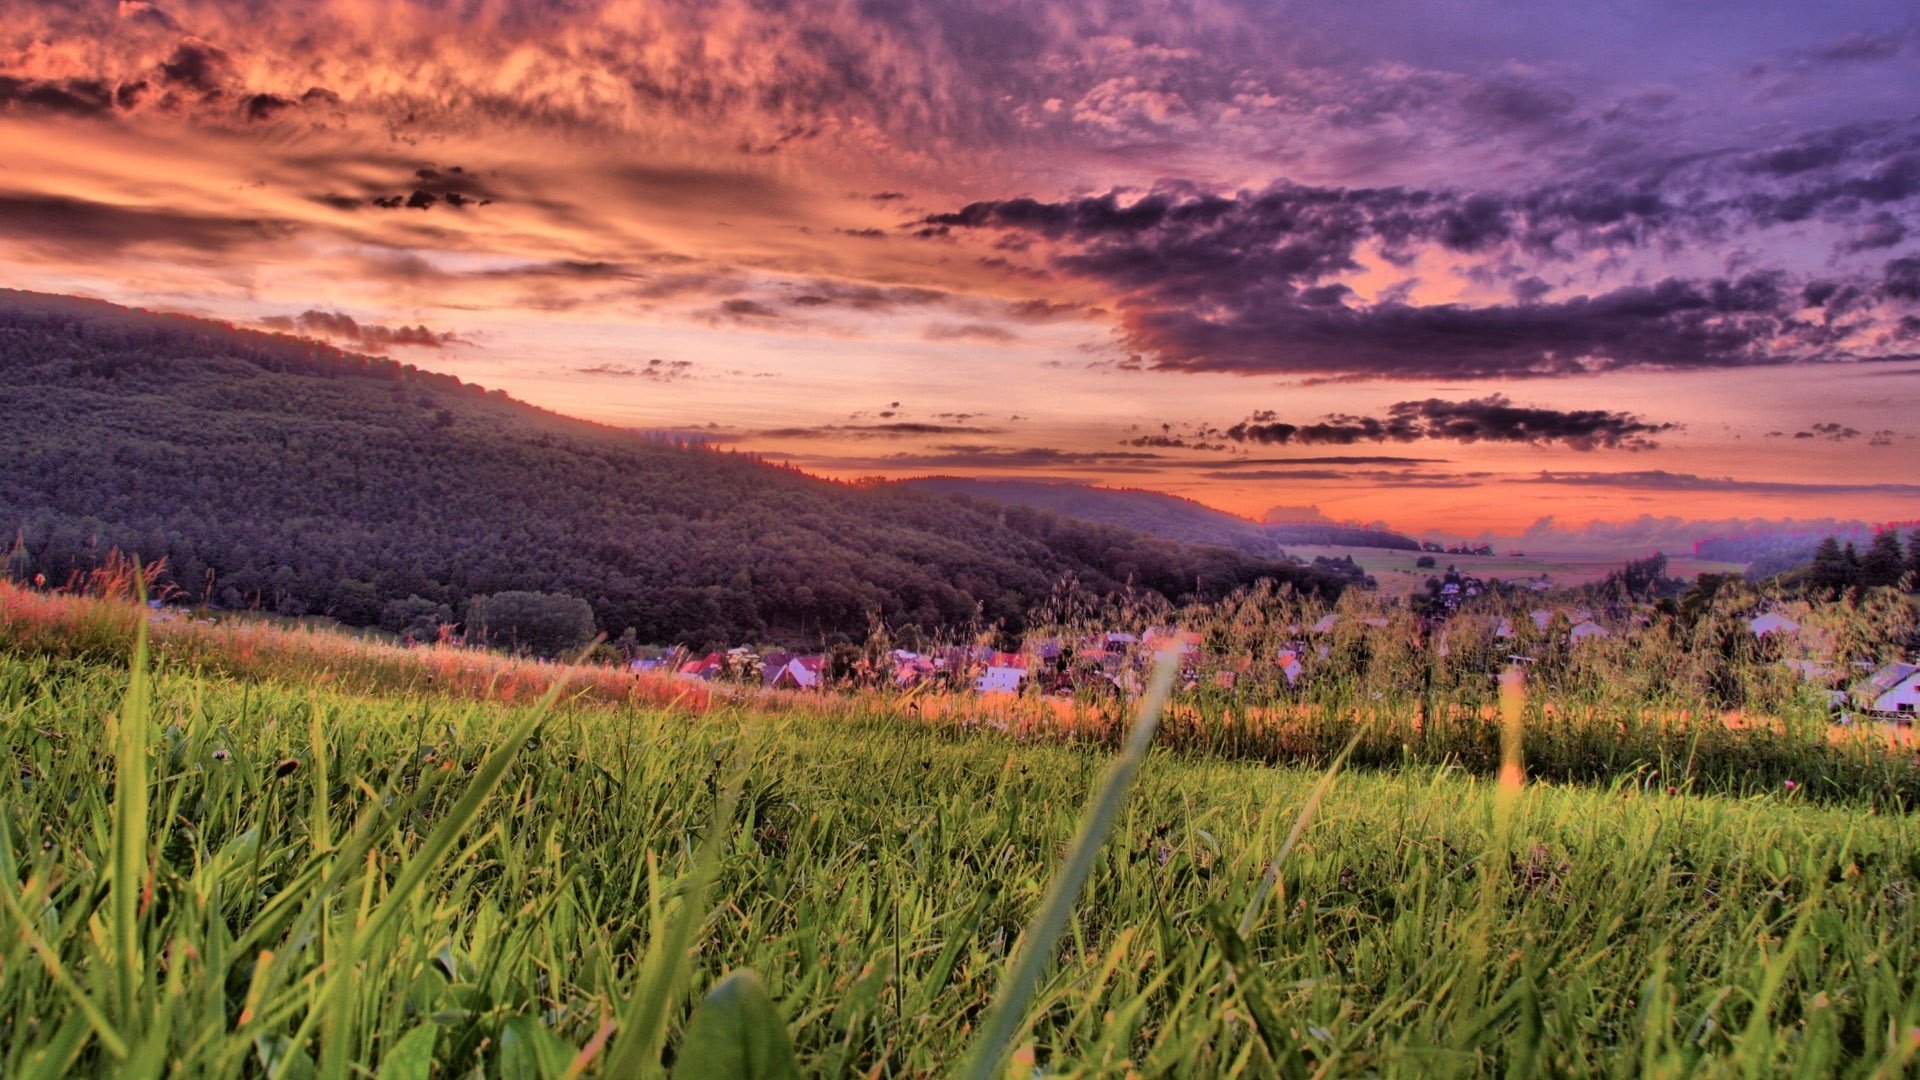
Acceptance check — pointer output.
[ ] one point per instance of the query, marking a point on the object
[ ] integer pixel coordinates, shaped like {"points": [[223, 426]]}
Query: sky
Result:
{"points": [[1452, 266]]}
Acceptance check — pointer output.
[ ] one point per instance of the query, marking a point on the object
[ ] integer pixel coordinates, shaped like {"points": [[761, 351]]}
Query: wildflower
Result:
{"points": [[1790, 785], [222, 754], [1671, 790]]}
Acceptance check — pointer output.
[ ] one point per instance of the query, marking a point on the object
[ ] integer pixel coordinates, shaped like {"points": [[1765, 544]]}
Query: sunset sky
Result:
{"points": [[1443, 265]]}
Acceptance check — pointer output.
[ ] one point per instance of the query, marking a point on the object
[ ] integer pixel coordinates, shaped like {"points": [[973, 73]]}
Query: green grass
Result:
{"points": [[286, 879]]}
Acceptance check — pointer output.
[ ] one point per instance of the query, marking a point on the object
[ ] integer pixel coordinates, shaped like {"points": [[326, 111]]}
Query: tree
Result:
{"points": [[1424, 562], [544, 624], [1882, 564], [416, 619], [1829, 571]]}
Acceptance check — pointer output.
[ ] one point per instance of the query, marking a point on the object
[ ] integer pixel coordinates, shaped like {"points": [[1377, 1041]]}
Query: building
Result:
{"points": [[1892, 692], [1585, 629], [1001, 679], [794, 672]]}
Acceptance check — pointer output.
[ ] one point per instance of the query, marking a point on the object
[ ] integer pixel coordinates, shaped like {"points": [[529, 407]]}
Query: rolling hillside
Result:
{"points": [[1155, 513], [272, 471]]}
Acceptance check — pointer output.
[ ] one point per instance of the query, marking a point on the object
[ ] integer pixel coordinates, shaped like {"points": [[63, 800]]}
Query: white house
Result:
{"points": [[1326, 624], [798, 672], [1772, 623], [1893, 691], [1001, 679], [1587, 629]]}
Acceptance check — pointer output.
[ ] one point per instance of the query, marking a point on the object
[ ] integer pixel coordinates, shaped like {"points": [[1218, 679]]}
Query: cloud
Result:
{"points": [[1493, 418], [1833, 431], [372, 337], [71, 97], [900, 429], [1354, 478], [987, 456], [654, 370], [986, 333], [1662, 480], [1330, 460], [68, 224], [1262, 281]]}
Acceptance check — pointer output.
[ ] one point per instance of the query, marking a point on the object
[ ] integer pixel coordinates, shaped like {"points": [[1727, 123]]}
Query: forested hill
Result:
{"points": [[274, 471], [1157, 513]]}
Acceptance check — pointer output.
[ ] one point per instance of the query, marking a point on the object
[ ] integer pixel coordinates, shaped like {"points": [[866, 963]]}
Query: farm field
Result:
{"points": [[1397, 574], [307, 879]]}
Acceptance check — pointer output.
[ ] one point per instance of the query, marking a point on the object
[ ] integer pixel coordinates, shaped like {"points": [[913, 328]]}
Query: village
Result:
{"points": [[1117, 662]]}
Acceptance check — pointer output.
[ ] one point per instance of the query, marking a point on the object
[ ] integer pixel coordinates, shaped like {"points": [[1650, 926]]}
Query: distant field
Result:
{"points": [[1398, 575]]}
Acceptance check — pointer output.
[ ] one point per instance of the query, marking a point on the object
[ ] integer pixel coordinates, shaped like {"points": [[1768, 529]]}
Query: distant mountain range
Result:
{"points": [[274, 471], [1156, 513]]}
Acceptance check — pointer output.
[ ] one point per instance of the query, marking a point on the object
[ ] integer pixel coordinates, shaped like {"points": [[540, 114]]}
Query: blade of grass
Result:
{"points": [[1008, 1010]]}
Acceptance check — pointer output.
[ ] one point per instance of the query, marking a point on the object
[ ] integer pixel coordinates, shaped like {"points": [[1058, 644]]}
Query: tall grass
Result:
{"points": [[326, 882], [1569, 735]]}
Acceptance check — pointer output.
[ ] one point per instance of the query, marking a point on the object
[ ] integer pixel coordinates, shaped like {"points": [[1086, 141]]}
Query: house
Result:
{"points": [[1289, 663], [794, 672], [1001, 679], [1892, 692], [909, 668], [1585, 629], [1326, 624], [1772, 623], [708, 667], [1159, 639]]}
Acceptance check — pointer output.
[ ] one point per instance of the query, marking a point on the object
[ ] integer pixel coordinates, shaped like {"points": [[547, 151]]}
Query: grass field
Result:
{"points": [[282, 876]]}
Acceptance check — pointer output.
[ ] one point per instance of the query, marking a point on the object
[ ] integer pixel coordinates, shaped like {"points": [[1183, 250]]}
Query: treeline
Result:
{"points": [[1837, 567], [273, 472], [1768, 554]]}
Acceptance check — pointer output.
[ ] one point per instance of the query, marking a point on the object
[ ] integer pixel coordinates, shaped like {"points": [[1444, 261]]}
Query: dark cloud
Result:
{"points": [[70, 97], [1251, 282], [430, 186], [902, 429], [197, 66], [654, 370], [743, 310], [70, 225], [1172, 442], [1661, 480], [986, 456], [1493, 418], [372, 337], [1338, 459], [860, 297], [1902, 278], [1832, 431]]}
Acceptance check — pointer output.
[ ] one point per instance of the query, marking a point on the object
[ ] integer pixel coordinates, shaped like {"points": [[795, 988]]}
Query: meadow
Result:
{"points": [[291, 872]]}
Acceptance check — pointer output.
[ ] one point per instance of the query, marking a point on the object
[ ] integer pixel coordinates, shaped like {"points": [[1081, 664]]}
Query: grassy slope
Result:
{"points": [[877, 879]]}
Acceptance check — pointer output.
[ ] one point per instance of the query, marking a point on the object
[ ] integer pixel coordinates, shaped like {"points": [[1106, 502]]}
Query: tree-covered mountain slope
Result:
{"points": [[272, 470]]}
